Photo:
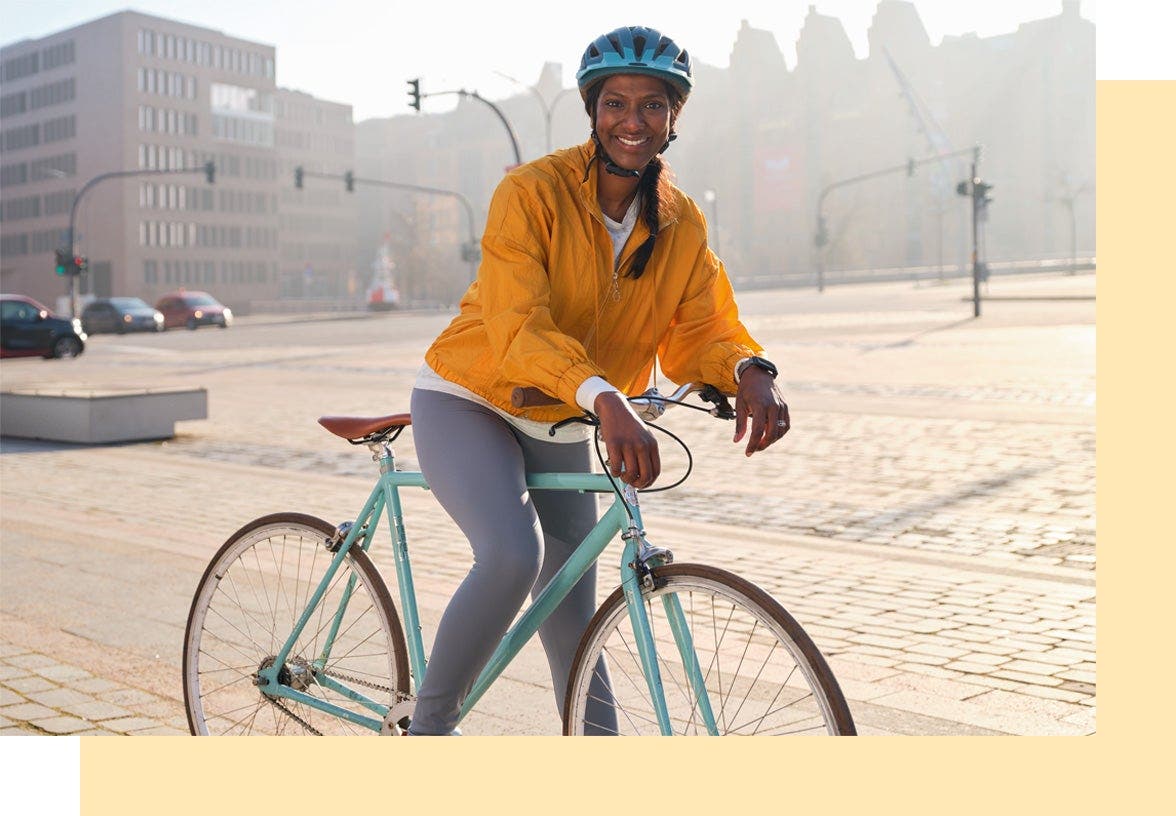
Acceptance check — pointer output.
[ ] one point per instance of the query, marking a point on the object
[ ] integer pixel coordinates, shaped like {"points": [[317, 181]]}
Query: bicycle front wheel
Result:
{"points": [[247, 604], [761, 672]]}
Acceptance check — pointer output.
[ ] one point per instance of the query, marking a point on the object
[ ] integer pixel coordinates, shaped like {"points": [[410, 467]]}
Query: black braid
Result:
{"points": [[649, 190]]}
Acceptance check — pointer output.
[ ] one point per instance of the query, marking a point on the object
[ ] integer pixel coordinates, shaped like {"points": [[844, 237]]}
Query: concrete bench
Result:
{"points": [[98, 415]]}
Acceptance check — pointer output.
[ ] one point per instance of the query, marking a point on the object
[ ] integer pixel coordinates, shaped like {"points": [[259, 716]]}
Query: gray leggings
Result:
{"points": [[475, 463]]}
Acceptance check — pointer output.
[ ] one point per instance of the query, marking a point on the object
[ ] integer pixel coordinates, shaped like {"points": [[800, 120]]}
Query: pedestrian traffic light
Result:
{"points": [[298, 177], [210, 172], [62, 261], [349, 180], [414, 94], [80, 264]]}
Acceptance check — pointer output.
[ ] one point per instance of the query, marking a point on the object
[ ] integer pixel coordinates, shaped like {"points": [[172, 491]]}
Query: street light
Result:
{"points": [[712, 198], [548, 109]]}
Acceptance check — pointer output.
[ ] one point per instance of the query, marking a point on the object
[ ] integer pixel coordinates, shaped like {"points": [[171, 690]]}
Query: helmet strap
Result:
{"points": [[611, 166], [666, 146]]}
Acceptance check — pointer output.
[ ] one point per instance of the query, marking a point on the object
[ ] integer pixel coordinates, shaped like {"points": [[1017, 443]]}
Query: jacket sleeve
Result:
{"points": [[515, 291], [706, 338]]}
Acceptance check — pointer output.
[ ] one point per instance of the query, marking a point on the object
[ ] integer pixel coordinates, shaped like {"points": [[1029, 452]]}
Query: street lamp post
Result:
{"points": [[712, 198], [208, 168], [548, 108]]}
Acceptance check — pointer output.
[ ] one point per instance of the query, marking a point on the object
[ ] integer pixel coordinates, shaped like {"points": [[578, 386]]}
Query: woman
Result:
{"points": [[593, 265]]}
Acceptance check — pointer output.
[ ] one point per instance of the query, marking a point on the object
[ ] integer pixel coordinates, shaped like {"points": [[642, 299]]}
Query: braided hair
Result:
{"points": [[653, 185]]}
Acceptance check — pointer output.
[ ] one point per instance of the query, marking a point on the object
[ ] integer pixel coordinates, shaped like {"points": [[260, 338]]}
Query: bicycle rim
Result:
{"points": [[762, 673], [245, 607]]}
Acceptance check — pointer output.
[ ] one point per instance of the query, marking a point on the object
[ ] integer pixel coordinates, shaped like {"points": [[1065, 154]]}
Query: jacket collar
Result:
{"points": [[589, 170]]}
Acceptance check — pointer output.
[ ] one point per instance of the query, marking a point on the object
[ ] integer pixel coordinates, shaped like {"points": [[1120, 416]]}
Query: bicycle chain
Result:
{"points": [[295, 717], [399, 696]]}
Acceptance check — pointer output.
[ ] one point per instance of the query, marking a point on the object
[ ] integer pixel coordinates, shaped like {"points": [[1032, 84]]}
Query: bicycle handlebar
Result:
{"points": [[650, 404]]}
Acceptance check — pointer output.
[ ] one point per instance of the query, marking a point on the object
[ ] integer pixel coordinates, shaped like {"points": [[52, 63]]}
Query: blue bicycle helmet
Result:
{"points": [[635, 50]]}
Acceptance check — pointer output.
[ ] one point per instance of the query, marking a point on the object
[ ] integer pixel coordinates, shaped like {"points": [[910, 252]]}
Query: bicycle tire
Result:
{"points": [[244, 609], [762, 672]]}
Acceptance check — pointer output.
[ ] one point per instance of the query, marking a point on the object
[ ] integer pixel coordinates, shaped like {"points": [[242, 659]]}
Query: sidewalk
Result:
{"points": [[930, 518]]}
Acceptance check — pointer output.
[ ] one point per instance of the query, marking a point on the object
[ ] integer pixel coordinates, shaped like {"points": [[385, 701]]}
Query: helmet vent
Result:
{"points": [[639, 46], [615, 41]]}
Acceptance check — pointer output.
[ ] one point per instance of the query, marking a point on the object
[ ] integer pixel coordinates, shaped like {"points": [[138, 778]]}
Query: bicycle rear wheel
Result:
{"points": [[246, 606], [762, 673]]}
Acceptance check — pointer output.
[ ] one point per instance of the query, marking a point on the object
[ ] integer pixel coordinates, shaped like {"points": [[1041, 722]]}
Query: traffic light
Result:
{"points": [[414, 94], [62, 261], [349, 180], [80, 264], [298, 177], [210, 172], [910, 167]]}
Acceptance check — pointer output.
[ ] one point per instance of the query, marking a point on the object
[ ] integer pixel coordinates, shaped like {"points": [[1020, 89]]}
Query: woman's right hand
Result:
{"points": [[632, 447]]}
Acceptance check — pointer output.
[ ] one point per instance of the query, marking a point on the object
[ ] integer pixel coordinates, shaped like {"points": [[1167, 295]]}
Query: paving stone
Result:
{"points": [[126, 725], [17, 731], [31, 661], [63, 673], [127, 697], [10, 697], [58, 697], [23, 712], [96, 710], [1031, 666], [61, 725], [160, 731], [93, 685], [30, 683], [1023, 677], [9, 672]]}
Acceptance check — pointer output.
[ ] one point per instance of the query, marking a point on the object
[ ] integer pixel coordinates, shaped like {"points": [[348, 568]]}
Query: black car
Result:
{"points": [[119, 315], [28, 329]]}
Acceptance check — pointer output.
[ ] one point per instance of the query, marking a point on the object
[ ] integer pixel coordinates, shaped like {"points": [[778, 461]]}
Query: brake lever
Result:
{"points": [[722, 409]]}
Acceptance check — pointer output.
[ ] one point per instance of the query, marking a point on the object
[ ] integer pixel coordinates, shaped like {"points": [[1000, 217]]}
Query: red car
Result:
{"points": [[193, 309]]}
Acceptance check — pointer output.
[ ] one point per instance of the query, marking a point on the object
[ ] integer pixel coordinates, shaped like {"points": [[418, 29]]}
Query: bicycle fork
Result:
{"points": [[637, 561]]}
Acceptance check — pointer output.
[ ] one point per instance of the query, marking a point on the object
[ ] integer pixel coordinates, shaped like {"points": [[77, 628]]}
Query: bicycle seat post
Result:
{"points": [[382, 453]]}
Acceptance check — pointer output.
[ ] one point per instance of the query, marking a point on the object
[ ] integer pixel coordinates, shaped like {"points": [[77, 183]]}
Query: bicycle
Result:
{"points": [[292, 628]]}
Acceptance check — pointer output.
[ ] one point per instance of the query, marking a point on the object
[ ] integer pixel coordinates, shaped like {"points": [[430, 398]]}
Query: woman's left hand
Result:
{"points": [[759, 399]]}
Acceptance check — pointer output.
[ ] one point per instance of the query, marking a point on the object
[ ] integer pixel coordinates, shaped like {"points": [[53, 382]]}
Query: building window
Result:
{"points": [[14, 103], [14, 245], [57, 55], [21, 137], [56, 130], [18, 208], [59, 202], [22, 66]]}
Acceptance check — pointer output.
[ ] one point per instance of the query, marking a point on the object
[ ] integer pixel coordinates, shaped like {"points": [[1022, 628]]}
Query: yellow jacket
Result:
{"points": [[541, 312]]}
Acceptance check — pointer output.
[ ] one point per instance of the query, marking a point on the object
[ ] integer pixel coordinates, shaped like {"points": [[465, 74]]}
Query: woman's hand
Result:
{"points": [[759, 398], [632, 448]]}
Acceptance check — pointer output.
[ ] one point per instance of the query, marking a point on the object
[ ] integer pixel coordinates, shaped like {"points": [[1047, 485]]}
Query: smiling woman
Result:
{"points": [[594, 268]]}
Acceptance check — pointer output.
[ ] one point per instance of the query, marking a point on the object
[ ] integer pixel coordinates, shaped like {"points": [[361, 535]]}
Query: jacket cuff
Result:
{"points": [[590, 389]]}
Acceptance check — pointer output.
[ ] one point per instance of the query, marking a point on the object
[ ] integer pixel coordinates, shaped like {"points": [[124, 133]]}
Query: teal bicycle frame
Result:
{"points": [[637, 558]]}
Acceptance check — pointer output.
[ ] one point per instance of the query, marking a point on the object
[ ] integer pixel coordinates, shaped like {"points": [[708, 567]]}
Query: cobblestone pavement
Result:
{"points": [[929, 519]]}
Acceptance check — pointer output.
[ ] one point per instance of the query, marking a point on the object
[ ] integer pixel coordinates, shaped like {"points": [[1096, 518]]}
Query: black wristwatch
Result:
{"points": [[759, 362]]}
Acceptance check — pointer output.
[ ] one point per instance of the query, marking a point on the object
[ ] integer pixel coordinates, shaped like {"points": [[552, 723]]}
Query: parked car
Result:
{"points": [[119, 315], [193, 309], [28, 329]]}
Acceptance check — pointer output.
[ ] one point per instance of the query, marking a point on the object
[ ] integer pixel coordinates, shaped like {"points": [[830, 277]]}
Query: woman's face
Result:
{"points": [[633, 118]]}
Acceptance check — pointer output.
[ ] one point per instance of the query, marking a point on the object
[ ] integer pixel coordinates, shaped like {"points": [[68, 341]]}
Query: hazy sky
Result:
{"points": [[361, 52]]}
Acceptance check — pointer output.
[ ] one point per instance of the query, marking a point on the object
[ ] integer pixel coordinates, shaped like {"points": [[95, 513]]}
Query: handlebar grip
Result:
{"points": [[531, 397]]}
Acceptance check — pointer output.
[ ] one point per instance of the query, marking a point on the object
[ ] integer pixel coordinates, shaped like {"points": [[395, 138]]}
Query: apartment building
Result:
{"points": [[317, 233], [132, 92]]}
